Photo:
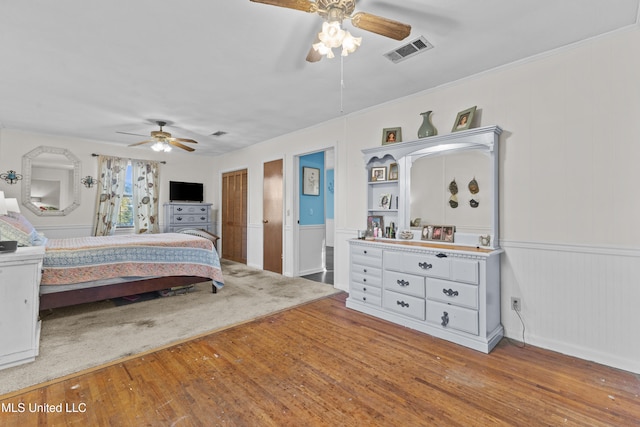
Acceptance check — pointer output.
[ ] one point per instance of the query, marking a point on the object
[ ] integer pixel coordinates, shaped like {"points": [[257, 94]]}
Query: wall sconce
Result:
{"points": [[88, 181], [11, 177]]}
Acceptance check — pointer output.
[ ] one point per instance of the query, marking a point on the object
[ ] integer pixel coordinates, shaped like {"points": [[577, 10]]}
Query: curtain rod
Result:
{"points": [[142, 160]]}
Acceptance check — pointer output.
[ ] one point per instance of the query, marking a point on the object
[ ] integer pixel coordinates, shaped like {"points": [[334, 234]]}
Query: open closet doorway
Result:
{"points": [[315, 231]]}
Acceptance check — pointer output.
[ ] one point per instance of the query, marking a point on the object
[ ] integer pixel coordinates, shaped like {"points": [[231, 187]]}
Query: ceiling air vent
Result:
{"points": [[410, 49], [219, 133]]}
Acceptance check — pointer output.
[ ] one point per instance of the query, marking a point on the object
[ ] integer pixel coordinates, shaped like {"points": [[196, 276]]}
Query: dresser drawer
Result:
{"points": [[452, 317], [463, 270], [366, 256], [404, 304], [371, 278], [404, 283], [190, 219], [452, 293], [365, 298], [366, 289], [190, 209], [424, 265]]}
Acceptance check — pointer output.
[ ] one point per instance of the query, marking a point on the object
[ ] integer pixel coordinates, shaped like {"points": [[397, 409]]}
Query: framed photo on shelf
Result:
{"points": [[448, 233], [379, 174], [374, 222], [436, 233], [310, 181], [393, 172], [391, 135], [426, 232], [464, 119], [384, 201]]}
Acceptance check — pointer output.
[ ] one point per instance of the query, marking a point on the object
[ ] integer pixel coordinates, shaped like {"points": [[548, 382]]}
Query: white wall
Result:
{"points": [[179, 167], [569, 206]]}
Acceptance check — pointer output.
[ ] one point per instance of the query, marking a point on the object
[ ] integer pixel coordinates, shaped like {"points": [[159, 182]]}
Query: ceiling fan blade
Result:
{"points": [[313, 55], [185, 140], [379, 25], [129, 133], [303, 5], [141, 142], [177, 144]]}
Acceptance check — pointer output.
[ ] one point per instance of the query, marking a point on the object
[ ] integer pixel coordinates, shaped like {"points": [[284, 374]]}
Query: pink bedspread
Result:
{"points": [[84, 259]]}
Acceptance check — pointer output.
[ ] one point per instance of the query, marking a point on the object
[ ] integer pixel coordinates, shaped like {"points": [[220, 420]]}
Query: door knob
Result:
{"points": [[264, 221]]}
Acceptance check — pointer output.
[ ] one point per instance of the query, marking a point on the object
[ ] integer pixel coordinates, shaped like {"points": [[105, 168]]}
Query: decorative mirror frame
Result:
{"points": [[27, 162]]}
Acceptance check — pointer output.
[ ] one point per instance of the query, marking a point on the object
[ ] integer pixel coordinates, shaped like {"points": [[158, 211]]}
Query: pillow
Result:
{"points": [[17, 227]]}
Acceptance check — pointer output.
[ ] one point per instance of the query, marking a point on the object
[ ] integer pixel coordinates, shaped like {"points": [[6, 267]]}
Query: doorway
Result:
{"points": [[315, 225], [234, 216]]}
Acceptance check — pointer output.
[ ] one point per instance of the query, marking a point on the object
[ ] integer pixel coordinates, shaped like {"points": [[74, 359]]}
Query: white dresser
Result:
{"points": [[451, 293], [20, 274], [183, 215]]}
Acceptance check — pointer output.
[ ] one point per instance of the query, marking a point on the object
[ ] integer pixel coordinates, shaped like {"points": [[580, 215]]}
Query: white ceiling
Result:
{"points": [[92, 69]]}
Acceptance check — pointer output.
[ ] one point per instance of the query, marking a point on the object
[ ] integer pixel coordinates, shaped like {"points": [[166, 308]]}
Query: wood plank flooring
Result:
{"points": [[322, 364]]}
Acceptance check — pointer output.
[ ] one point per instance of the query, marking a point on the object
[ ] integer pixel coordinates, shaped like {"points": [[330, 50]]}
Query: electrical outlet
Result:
{"points": [[515, 303]]}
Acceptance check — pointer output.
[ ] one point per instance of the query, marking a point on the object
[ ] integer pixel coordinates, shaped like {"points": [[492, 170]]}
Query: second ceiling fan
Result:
{"points": [[163, 141], [332, 35]]}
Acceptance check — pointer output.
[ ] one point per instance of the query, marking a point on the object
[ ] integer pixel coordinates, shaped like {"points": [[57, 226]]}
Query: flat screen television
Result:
{"points": [[186, 191]]}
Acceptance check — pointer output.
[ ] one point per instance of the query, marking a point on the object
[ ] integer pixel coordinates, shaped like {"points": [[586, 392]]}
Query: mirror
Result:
{"points": [[431, 177], [51, 184]]}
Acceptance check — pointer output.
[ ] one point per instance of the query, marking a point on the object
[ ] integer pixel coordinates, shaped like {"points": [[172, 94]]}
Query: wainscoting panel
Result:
{"points": [[576, 300]]}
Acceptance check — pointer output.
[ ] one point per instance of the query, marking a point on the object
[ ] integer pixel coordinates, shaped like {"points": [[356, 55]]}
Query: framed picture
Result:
{"points": [[448, 233], [464, 119], [436, 233], [426, 232], [310, 181], [375, 223], [393, 172], [391, 135], [379, 173], [384, 201]]}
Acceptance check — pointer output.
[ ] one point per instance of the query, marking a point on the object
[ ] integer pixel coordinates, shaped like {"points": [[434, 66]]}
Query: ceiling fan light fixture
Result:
{"points": [[161, 146], [350, 44], [332, 34]]}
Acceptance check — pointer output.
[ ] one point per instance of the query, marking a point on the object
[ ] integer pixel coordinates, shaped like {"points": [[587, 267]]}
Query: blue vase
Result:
{"points": [[427, 128]]}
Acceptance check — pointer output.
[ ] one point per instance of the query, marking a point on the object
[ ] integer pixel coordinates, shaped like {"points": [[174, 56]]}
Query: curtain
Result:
{"points": [[145, 196], [112, 171]]}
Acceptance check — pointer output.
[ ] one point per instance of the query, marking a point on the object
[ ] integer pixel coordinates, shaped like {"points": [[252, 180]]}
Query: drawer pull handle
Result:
{"points": [[364, 298], [179, 218], [364, 280], [179, 209], [365, 252], [402, 282], [424, 265], [202, 209], [364, 289], [365, 270], [202, 218], [445, 318], [450, 292], [402, 303], [441, 255]]}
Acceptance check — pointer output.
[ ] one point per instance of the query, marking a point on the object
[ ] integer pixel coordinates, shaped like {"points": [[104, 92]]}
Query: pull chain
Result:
{"points": [[341, 83]]}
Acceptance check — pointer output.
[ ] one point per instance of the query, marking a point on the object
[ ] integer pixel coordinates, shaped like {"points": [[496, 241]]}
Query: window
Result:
{"points": [[125, 213]]}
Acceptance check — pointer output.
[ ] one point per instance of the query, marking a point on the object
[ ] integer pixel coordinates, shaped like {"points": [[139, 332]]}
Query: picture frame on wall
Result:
{"points": [[310, 181], [391, 135], [378, 173], [464, 119], [393, 172], [384, 201]]}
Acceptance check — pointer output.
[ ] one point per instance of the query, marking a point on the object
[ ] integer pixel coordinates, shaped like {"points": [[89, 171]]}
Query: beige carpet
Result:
{"points": [[89, 335]]}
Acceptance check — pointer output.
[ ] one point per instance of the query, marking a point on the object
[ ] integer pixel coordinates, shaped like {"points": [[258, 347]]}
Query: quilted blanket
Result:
{"points": [[84, 259]]}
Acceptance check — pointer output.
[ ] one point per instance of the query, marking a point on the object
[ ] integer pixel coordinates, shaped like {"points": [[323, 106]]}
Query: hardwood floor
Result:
{"points": [[323, 364]]}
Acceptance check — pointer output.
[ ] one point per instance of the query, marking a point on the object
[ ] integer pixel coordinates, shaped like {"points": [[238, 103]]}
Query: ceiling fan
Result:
{"points": [[162, 141], [334, 12]]}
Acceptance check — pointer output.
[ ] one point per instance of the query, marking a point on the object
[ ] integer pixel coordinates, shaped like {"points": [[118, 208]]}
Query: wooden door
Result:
{"points": [[234, 216], [272, 216]]}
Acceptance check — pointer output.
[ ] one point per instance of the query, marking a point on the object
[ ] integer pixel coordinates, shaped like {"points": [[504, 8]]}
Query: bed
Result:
{"points": [[87, 269]]}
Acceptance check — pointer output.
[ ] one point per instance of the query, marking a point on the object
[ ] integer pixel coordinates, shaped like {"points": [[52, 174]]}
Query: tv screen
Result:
{"points": [[186, 191]]}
